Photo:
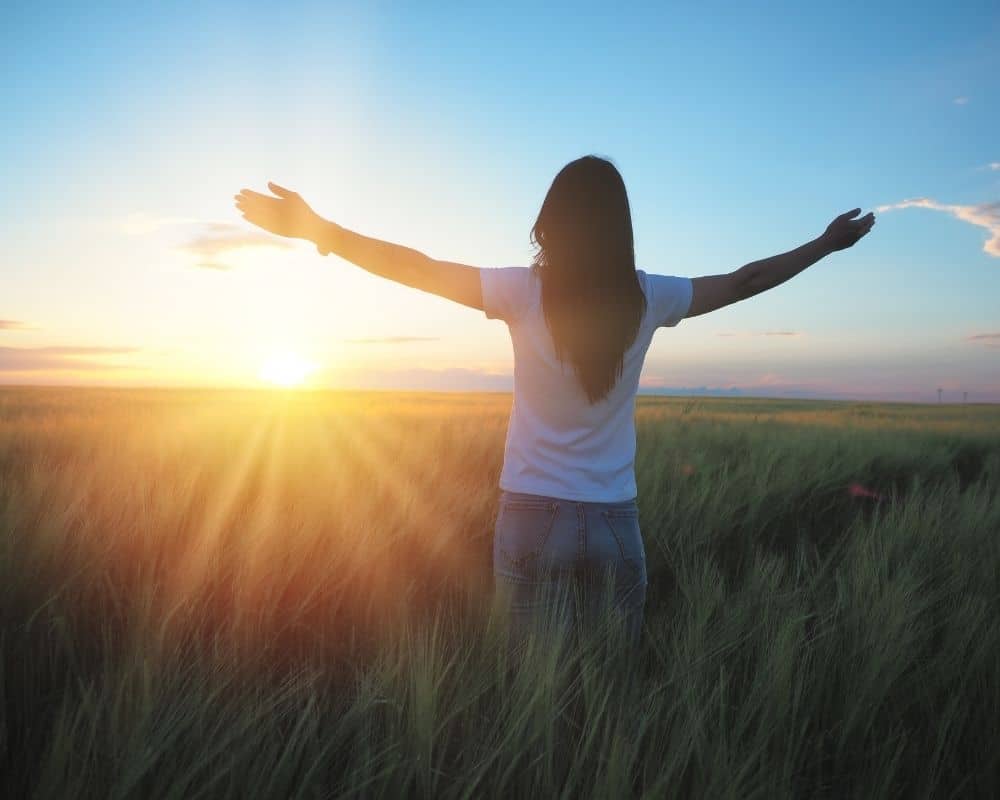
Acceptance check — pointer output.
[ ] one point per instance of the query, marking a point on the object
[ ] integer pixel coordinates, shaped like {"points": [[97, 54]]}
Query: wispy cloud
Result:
{"points": [[13, 325], [991, 340], [762, 333], [984, 215], [961, 101], [394, 340], [220, 238], [994, 166], [37, 359], [210, 242]]}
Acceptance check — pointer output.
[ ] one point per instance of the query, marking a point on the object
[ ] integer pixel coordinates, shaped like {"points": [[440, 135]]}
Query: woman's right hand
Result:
{"points": [[845, 231], [287, 214]]}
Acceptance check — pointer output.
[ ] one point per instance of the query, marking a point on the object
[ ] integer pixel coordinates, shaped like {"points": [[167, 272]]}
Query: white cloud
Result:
{"points": [[221, 238], [61, 358], [208, 240], [984, 215], [960, 101]]}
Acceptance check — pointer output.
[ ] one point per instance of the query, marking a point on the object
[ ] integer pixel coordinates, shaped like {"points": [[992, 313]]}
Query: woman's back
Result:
{"points": [[559, 444], [568, 503]]}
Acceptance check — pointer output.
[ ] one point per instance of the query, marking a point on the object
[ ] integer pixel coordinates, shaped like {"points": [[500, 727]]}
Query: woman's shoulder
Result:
{"points": [[668, 297], [509, 291]]}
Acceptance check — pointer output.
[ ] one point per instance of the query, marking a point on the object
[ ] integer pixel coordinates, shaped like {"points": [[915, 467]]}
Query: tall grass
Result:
{"points": [[225, 594]]}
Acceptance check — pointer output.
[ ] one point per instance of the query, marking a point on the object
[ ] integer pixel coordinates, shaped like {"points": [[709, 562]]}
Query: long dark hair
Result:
{"points": [[591, 297]]}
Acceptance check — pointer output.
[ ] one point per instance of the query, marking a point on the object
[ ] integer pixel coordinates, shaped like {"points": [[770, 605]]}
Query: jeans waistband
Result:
{"points": [[538, 498]]}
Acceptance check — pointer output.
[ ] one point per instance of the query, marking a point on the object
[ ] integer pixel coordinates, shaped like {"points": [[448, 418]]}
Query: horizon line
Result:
{"points": [[735, 393]]}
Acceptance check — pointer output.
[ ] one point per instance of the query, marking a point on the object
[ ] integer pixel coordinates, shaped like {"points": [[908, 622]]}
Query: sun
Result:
{"points": [[286, 369]]}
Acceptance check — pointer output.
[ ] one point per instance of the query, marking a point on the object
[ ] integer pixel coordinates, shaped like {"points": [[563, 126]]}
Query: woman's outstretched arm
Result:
{"points": [[715, 291], [287, 214]]}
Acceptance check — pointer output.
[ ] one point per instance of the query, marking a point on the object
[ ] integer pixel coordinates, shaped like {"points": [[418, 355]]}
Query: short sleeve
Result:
{"points": [[668, 299], [506, 291]]}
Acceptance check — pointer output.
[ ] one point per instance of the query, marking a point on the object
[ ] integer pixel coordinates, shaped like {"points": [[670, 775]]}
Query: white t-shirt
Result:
{"points": [[558, 443]]}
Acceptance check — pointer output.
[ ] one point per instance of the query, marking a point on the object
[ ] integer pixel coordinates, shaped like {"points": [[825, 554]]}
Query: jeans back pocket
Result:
{"points": [[623, 524], [523, 528]]}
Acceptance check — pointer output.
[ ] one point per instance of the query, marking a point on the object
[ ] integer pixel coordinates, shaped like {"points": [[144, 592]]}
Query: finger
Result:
{"points": [[261, 207], [256, 201], [281, 191], [850, 214]]}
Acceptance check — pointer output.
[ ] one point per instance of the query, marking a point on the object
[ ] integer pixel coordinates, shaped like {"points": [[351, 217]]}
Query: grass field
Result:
{"points": [[238, 594]]}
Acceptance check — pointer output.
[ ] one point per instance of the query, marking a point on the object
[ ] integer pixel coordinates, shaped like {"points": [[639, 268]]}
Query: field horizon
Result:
{"points": [[693, 394], [285, 593]]}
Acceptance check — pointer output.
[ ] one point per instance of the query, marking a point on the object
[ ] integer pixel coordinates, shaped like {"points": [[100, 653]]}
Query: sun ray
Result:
{"points": [[265, 516], [195, 565], [381, 453]]}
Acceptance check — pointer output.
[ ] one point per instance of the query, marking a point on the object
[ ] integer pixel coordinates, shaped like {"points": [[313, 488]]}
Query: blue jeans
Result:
{"points": [[549, 554]]}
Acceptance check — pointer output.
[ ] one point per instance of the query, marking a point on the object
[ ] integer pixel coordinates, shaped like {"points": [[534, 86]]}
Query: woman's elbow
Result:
{"points": [[746, 282]]}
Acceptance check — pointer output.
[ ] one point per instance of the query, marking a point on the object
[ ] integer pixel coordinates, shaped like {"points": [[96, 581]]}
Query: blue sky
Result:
{"points": [[739, 134]]}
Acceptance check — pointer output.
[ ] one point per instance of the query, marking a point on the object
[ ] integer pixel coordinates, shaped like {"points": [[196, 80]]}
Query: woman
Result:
{"points": [[581, 318]]}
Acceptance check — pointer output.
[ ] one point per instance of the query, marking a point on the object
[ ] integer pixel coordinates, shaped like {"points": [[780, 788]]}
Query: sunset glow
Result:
{"points": [[181, 291], [287, 370]]}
